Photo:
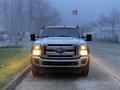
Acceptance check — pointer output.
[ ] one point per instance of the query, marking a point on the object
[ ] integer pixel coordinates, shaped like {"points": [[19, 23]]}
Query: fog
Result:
{"points": [[18, 17], [88, 10]]}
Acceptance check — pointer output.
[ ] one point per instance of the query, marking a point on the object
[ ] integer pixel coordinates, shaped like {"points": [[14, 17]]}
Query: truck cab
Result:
{"points": [[60, 49]]}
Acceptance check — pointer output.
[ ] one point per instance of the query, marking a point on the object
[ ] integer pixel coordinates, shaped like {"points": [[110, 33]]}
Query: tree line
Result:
{"points": [[26, 15], [110, 21]]}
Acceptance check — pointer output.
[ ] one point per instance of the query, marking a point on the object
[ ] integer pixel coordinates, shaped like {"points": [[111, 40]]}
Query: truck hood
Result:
{"points": [[60, 40]]}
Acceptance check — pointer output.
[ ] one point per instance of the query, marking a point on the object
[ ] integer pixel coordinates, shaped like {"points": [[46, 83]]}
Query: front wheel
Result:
{"points": [[35, 71], [85, 70]]}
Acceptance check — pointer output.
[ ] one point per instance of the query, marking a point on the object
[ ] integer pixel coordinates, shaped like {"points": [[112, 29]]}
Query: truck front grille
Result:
{"points": [[60, 51]]}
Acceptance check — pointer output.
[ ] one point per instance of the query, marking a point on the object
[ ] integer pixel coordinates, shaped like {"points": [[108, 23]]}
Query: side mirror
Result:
{"points": [[89, 37], [32, 37]]}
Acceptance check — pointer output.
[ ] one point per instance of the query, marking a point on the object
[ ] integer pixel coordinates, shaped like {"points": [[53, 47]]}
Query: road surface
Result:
{"points": [[104, 73]]}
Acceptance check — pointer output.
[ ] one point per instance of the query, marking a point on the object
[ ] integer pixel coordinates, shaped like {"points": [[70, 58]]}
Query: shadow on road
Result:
{"points": [[57, 76]]}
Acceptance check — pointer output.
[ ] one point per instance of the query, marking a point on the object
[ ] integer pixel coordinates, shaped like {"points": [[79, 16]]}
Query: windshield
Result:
{"points": [[61, 32]]}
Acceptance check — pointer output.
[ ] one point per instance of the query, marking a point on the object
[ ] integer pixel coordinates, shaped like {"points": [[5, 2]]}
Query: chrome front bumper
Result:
{"points": [[40, 62]]}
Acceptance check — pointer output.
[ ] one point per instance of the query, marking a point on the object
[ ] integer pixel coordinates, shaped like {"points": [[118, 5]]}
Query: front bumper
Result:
{"points": [[39, 62]]}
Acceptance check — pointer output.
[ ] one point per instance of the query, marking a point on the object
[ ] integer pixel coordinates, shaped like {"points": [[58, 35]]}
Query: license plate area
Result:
{"points": [[59, 63]]}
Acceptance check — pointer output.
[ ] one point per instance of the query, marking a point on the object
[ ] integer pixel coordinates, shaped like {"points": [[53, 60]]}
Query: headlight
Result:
{"points": [[36, 50], [83, 51]]}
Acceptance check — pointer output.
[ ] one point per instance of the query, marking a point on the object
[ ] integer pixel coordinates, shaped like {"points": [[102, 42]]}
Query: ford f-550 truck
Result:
{"points": [[61, 49]]}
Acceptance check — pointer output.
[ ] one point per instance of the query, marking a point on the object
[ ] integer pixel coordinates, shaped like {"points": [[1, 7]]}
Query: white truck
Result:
{"points": [[60, 49]]}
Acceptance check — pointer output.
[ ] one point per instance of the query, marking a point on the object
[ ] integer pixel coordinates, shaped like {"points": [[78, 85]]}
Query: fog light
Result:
{"points": [[84, 61], [36, 61]]}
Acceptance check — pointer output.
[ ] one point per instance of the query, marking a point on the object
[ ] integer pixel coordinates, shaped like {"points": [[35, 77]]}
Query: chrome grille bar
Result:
{"points": [[70, 51]]}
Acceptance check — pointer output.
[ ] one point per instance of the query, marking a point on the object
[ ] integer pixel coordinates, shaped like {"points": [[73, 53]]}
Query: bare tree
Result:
{"points": [[87, 28], [101, 22], [113, 20], [26, 15], [42, 14]]}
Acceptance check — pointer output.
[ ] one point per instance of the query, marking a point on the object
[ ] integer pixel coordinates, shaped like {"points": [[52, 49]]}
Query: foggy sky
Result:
{"points": [[88, 10]]}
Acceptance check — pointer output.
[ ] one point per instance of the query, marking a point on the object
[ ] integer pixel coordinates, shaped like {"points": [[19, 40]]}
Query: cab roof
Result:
{"points": [[60, 27]]}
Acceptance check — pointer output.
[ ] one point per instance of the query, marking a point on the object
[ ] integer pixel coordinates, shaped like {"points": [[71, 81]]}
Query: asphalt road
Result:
{"points": [[104, 73]]}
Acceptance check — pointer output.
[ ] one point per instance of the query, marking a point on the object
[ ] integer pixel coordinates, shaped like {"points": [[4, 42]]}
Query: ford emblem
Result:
{"points": [[60, 50]]}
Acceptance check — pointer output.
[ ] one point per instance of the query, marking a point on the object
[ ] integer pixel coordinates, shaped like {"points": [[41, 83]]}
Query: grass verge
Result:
{"points": [[12, 61]]}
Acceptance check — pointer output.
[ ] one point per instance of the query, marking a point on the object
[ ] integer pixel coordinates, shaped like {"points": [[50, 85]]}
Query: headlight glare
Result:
{"points": [[36, 47], [83, 47], [83, 52], [36, 51]]}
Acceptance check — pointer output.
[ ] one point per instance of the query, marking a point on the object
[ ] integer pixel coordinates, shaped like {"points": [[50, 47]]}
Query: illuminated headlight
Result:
{"points": [[83, 51], [36, 50]]}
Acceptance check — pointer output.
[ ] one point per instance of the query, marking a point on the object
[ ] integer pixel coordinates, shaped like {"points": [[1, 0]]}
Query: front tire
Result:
{"points": [[35, 71], [85, 70]]}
